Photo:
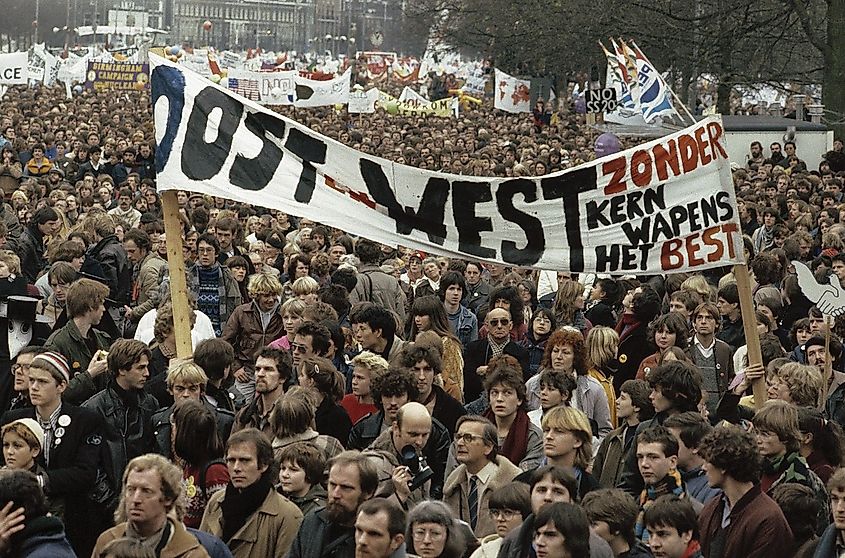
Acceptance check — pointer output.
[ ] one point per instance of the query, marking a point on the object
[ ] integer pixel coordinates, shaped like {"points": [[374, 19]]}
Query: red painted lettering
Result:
{"points": [[617, 181], [689, 152], [702, 146], [670, 255], [714, 131], [665, 159], [641, 168]]}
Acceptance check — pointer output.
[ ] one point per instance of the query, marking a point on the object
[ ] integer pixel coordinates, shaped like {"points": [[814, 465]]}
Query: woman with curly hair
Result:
{"points": [[569, 306], [566, 351]]}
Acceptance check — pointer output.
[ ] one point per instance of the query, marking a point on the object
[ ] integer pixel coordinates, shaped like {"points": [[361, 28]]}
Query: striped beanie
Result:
{"points": [[53, 361]]}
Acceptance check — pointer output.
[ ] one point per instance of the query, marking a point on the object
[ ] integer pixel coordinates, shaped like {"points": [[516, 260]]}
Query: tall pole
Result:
{"points": [[178, 281], [37, 23]]}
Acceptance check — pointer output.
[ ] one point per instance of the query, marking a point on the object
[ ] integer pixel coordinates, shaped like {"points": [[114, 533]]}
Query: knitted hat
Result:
{"points": [[33, 426], [51, 360]]}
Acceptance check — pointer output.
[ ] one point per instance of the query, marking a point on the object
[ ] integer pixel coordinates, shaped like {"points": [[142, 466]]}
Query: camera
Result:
{"points": [[419, 469]]}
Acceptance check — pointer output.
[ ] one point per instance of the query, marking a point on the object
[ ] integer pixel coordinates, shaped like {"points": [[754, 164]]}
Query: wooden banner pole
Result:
{"points": [[749, 325], [178, 283]]}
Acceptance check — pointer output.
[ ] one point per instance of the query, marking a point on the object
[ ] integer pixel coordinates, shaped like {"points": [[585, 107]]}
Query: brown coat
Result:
{"points": [[456, 489], [268, 532], [243, 330], [181, 545]]}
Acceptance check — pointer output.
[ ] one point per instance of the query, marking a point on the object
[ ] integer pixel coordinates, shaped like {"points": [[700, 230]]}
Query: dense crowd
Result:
{"points": [[349, 398]]}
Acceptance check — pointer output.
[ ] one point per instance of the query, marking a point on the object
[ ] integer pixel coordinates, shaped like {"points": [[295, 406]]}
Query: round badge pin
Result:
{"points": [[57, 441], [64, 420], [60, 432]]}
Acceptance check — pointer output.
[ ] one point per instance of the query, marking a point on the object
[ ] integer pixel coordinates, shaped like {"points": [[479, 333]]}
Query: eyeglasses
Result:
{"points": [[542, 318], [497, 322], [433, 534], [467, 438], [205, 250], [507, 515]]}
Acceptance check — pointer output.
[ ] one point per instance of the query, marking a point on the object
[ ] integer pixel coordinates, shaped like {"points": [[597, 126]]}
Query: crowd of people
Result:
{"points": [[346, 398]]}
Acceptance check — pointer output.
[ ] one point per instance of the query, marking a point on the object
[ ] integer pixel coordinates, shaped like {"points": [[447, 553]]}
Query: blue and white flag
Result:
{"points": [[655, 98]]}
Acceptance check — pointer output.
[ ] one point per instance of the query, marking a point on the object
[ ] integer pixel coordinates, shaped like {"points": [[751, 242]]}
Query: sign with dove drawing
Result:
{"points": [[829, 297]]}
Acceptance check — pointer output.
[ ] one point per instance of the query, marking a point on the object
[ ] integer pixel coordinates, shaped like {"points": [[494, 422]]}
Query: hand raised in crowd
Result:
{"points": [[752, 373], [11, 522], [98, 365]]}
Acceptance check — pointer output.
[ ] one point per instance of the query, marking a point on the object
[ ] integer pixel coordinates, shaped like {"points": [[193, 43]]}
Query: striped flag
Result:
{"points": [[245, 87]]}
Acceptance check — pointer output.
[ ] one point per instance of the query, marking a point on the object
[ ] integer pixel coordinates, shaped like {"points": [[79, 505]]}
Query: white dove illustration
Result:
{"points": [[829, 298]]}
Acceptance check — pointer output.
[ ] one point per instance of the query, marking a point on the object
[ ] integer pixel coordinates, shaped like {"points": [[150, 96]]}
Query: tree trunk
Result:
{"points": [[833, 92]]}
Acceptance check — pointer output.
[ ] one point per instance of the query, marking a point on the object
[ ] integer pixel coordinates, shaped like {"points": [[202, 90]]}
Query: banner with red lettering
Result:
{"points": [[665, 206]]}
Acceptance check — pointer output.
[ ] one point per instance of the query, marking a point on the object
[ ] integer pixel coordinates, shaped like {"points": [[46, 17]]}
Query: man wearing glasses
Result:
{"points": [[481, 471], [478, 353]]}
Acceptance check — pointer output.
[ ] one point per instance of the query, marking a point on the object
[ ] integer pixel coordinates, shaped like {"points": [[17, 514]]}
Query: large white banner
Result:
{"points": [[665, 206], [314, 93], [13, 68], [512, 94]]}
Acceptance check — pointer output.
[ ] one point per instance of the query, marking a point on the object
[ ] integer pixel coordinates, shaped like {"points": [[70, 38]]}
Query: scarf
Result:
{"points": [[516, 444], [671, 484], [693, 550], [157, 541], [626, 325], [239, 505], [496, 348]]}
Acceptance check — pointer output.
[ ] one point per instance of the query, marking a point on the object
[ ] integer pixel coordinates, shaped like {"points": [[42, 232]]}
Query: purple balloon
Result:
{"points": [[607, 144]]}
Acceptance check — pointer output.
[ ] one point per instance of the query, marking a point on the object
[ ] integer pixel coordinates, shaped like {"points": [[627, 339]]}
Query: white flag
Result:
{"points": [[512, 94]]}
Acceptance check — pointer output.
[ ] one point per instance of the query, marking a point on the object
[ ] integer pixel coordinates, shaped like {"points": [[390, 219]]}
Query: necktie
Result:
{"points": [[472, 501]]}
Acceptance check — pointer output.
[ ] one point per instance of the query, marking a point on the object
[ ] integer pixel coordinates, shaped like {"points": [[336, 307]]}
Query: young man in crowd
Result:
{"points": [[632, 407], [672, 528], [186, 381], [215, 357], [675, 388], [743, 520], [81, 343], [689, 429], [391, 390], [657, 459], [426, 364], [712, 357], [352, 480], [481, 471], [379, 529], [35, 532], [831, 542], [127, 410], [273, 367], [375, 330], [463, 322], [249, 515], [613, 515], [549, 484]]}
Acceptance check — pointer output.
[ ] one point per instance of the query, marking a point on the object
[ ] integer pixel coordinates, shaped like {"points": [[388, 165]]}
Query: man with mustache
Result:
{"points": [[272, 368]]}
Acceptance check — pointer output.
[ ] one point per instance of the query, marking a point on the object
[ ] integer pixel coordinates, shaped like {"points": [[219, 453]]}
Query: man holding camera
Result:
{"points": [[405, 439]]}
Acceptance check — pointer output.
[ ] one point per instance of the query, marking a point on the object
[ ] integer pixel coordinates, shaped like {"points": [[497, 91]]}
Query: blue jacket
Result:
{"points": [[697, 485], [214, 546], [464, 325], [44, 537]]}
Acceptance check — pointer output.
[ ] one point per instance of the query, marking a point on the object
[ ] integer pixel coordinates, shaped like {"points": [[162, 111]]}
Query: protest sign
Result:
{"points": [[114, 76], [13, 68], [267, 88], [409, 94], [512, 94], [321, 93], [197, 61], [363, 102], [664, 206]]}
